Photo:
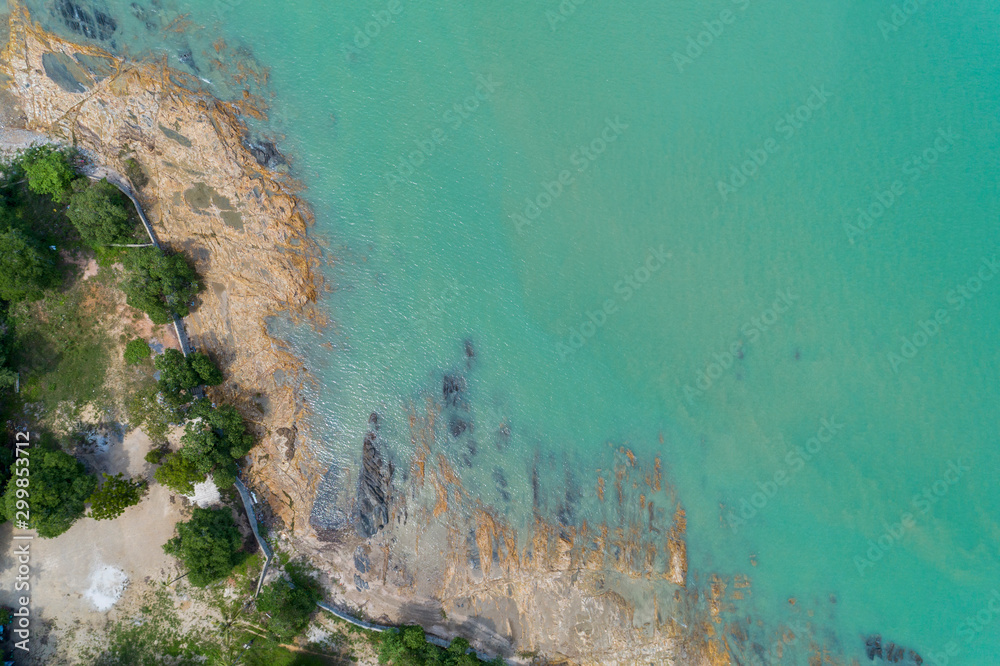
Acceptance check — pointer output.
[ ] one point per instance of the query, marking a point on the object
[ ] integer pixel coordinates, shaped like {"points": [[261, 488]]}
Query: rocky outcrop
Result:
{"points": [[209, 196], [371, 509], [889, 652], [415, 545]]}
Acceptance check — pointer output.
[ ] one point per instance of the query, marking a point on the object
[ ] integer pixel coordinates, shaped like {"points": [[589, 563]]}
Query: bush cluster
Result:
{"points": [[209, 545]]}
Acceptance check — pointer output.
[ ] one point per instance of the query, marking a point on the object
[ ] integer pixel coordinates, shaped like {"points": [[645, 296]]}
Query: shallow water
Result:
{"points": [[821, 385]]}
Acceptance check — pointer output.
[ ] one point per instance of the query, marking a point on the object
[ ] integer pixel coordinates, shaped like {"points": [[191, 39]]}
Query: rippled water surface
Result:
{"points": [[757, 240]]}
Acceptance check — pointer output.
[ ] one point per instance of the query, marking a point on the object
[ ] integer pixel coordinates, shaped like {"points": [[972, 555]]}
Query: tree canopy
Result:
{"points": [[98, 212], [25, 269], [137, 351], [179, 473], [290, 602], [214, 439], [408, 646], [179, 374], [209, 545], [115, 495], [159, 284], [58, 485], [49, 171]]}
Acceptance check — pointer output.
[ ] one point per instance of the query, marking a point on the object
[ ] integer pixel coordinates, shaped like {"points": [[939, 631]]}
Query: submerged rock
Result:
{"points": [[265, 152], [371, 510], [890, 652], [452, 388], [97, 25]]}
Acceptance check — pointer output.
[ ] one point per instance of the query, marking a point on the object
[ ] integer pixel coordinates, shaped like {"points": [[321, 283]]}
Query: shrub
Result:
{"points": [[408, 645], [161, 285], [180, 374], [144, 409], [136, 173], [207, 371], [137, 351], [59, 487], [179, 474], [49, 171], [155, 456], [116, 495], [209, 545], [98, 212], [25, 270], [215, 440], [290, 603]]}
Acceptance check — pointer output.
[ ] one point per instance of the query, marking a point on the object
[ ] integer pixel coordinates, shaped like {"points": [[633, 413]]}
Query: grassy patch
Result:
{"points": [[146, 640], [61, 349]]}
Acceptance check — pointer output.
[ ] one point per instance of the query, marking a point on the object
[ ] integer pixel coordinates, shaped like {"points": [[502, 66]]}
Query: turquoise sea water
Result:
{"points": [[546, 185]]}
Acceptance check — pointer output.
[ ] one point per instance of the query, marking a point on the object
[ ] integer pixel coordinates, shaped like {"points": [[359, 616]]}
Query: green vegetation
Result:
{"points": [[25, 269], [154, 641], [180, 374], [49, 171], [99, 213], [179, 474], [136, 173], [8, 377], [60, 348], [137, 351], [290, 603], [209, 545], [155, 456], [56, 489], [215, 439], [115, 495], [408, 646], [50, 323], [161, 285], [143, 409]]}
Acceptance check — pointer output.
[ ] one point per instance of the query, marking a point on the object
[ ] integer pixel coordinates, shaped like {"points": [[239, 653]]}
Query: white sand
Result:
{"points": [[205, 494], [107, 584]]}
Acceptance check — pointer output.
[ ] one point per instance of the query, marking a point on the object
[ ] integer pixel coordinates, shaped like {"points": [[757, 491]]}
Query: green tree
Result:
{"points": [[176, 374], [8, 377], [180, 374], [408, 646], [136, 351], [98, 213], [214, 439], [161, 285], [209, 545], [155, 456], [58, 487], [24, 269], [290, 603], [49, 171], [179, 474], [115, 495], [208, 371]]}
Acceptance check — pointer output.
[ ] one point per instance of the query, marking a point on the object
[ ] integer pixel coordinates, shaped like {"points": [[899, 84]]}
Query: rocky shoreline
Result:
{"points": [[414, 547]]}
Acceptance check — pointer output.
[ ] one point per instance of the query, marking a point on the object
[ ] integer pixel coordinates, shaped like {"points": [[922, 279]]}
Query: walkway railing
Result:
{"points": [[264, 547]]}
